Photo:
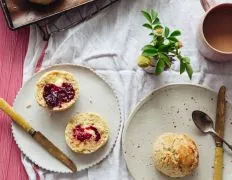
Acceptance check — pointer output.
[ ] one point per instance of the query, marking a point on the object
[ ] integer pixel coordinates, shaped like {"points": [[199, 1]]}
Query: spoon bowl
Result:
{"points": [[202, 121], [205, 124]]}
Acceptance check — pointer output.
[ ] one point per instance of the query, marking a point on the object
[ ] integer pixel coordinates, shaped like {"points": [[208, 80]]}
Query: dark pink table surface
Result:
{"points": [[13, 47]]}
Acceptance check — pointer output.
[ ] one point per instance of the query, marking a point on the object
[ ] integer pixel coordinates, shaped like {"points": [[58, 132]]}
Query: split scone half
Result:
{"points": [[86, 133], [57, 90]]}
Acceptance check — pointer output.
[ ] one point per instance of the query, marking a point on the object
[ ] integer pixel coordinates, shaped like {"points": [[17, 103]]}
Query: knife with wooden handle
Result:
{"points": [[37, 136], [219, 127]]}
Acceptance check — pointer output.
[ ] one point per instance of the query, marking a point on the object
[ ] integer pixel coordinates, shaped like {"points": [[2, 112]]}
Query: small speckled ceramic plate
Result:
{"points": [[169, 109], [95, 96]]}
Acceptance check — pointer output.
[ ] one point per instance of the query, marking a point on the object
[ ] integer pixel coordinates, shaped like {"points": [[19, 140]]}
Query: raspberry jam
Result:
{"points": [[54, 95], [98, 136], [80, 134]]}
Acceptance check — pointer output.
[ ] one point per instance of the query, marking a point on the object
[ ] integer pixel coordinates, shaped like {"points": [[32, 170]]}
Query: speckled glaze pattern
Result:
{"points": [[169, 109]]}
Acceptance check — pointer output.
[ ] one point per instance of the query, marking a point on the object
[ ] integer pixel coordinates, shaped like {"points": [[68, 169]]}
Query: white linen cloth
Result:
{"points": [[110, 43]]}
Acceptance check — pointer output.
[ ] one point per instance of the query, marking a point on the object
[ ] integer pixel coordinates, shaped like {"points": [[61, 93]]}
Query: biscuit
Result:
{"points": [[57, 90], [86, 133], [175, 155]]}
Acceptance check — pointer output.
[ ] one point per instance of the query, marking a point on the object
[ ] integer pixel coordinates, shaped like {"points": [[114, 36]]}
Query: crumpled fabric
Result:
{"points": [[110, 43]]}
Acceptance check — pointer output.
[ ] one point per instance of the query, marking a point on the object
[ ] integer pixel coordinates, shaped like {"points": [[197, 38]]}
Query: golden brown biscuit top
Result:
{"points": [[175, 155]]}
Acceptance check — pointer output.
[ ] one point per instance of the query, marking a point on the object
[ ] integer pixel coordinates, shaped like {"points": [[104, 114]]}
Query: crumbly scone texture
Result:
{"points": [[86, 119], [56, 77], [42, 2], [175, 155]]}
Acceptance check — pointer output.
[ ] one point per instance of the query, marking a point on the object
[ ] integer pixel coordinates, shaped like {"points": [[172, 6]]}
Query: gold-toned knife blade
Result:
{"points": [[220, 117], [53, 150], [219, 127], [40, 138]]}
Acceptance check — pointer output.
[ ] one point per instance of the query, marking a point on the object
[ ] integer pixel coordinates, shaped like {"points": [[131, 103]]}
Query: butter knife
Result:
{"points": [[37, 136], [219, 127]]}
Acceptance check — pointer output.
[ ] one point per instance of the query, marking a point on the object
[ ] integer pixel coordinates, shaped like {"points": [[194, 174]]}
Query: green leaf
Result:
{"points": [[189, 70], [146, 25], [155, 41], [172, 50], [166, 31], [177, 45], [186, 60], [182, 67], [175, 33], [160, 41], [157, 21], [160, 67], [154, 15], [150, 52], [148, 47], [165, 58], [185, 66], [147, 16], [163, 48], [172, 38], [158, 26], [172, 46]]}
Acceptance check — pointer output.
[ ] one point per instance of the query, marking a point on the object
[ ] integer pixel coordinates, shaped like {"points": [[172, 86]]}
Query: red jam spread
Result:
{"points": [[80, 133], [98, 136], [54, 95]]}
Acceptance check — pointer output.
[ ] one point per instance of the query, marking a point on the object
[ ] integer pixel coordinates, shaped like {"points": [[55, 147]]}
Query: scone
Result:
{"points": [[42, 2], [86, 133], [57, 90], [175, 155]]}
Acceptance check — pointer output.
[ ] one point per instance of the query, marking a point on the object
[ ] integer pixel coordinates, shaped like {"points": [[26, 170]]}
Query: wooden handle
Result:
{"points": [[218, 164], [208, 4], [15, 116]]}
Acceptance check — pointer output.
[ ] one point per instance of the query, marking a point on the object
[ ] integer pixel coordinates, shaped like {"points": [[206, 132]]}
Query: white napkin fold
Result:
{"points": [[110, 43]]}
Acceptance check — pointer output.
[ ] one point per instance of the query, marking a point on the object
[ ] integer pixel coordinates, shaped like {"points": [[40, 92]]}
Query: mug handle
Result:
{"points": [[208, 4]]}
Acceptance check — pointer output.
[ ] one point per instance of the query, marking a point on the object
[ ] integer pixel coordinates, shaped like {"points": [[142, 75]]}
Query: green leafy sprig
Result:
{"points": [[165, 46]]}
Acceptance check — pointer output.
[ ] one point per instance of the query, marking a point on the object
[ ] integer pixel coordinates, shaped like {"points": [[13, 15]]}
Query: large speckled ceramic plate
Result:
{"points": [[169, 109], [95, 96]]}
